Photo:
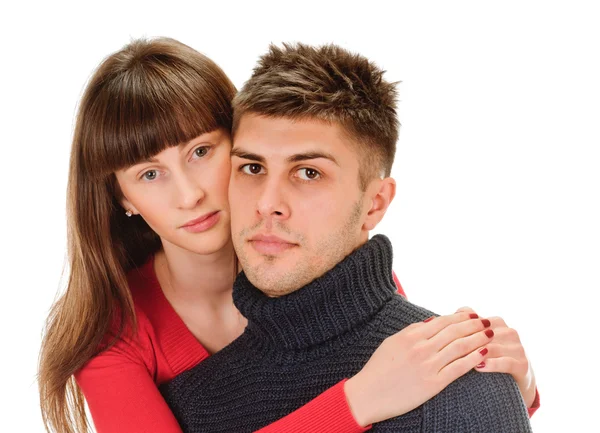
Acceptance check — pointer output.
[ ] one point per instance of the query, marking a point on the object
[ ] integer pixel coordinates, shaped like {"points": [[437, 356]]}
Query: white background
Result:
{"points": [[497, 163]]}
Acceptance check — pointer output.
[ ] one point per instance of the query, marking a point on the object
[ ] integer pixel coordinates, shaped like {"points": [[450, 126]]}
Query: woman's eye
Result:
{"points": [[201, 151], [252, 169], [308, 174], [150, 175]]}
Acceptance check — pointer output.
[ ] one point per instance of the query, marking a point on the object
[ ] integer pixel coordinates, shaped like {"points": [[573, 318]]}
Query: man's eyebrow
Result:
{"points": [[311, 155], [241, 153]]}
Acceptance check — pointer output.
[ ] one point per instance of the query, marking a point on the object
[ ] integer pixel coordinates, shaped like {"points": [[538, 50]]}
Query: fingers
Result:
{"points": [[498, 322], [461, 347], [505, 358], [434, 326], [461, 366], [455, 331], [465, 310], [504, 334], [505, 364], [499, 350]]}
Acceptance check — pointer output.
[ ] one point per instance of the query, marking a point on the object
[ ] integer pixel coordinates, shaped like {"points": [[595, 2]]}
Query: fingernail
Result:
{"points": [[473, 316], [483, 351], [489, 333], [486, 323], [480, 365], [428, 320]]}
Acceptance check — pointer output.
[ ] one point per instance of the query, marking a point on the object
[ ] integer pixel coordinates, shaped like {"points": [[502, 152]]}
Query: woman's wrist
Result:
{"points": [[359, 407]]}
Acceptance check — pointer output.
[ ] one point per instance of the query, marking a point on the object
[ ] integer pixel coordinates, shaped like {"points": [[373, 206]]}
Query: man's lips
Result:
{"points": [[202, 223], [270, 245]]}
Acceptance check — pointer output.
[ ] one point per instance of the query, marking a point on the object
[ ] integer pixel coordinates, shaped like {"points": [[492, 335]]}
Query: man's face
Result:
{"points": [[296, 206]]}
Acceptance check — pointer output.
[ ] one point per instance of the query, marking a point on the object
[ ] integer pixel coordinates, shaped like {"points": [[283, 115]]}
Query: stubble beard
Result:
{"points": [[326, 253]]}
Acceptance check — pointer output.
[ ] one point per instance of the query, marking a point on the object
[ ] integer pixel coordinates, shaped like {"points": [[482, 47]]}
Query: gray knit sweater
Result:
{"points": [[297, 346]]}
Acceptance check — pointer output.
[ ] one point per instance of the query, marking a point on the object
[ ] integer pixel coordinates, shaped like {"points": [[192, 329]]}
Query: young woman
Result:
{"points": [[152, 264]]}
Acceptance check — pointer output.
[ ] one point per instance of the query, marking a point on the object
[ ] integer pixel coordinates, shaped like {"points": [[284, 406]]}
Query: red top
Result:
{"points": [[120, 384]]}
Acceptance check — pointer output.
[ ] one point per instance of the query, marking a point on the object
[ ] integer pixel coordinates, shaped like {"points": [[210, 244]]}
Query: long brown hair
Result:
{"points": [[150, 95]]}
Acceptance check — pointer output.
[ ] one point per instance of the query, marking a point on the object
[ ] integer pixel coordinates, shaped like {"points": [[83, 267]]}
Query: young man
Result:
{"points": [[314, 141]]}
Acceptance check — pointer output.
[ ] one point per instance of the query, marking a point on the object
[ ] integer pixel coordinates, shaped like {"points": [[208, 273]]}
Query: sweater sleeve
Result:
{"points": [[328, 412], [120, 391]]}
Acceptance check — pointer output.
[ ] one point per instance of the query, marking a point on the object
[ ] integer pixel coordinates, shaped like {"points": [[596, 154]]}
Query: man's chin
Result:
{"points": [[277, 284]]}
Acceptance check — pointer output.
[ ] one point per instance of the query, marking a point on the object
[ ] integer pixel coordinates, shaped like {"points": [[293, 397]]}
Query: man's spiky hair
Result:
{"points": [[331, 84]]}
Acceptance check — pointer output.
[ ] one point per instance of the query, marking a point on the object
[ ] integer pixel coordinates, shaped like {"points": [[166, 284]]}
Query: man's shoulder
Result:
{"points": [[401, 311], [488, 402]]}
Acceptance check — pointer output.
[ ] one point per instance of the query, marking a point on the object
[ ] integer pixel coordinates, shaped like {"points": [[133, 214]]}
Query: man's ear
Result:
{"points": [[382, 192]]}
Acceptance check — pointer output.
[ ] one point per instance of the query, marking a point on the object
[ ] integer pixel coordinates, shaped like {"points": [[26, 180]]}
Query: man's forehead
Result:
{"points": [[284, 138]]}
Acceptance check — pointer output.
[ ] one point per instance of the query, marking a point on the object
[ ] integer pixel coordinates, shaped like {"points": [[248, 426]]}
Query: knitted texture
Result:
{"points": [[301, 344]]}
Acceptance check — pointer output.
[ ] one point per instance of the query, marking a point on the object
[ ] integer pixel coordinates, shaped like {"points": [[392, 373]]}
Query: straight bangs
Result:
{"points": [[158, 100]]}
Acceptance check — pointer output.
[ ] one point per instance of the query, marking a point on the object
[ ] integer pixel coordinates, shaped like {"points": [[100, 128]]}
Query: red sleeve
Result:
{"points": [[328, 412], [536, 404], [119, 388], [397, 282]]}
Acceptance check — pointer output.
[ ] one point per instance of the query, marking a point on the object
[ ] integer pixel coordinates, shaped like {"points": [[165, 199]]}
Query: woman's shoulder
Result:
{"points": [[143, 282], [159, 340], [130, 340], [175, 349], [149, 301]]}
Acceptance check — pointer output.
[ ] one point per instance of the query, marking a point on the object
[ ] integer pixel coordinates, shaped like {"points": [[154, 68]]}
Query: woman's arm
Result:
{"points": [[415, 363], [398, 285], [119, 388], [328, 412], [122, 397]]}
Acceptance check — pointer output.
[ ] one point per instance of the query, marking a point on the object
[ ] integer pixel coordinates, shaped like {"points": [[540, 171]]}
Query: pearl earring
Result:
{"points": [[129, 213]]}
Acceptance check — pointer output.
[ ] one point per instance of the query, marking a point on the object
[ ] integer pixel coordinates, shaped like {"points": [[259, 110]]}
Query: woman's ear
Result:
{"points": [[128, 206], [382, 192]]}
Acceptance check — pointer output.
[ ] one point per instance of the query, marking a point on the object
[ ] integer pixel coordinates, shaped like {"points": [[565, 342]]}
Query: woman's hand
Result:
{"points": [[415, 364], [507, 355]]}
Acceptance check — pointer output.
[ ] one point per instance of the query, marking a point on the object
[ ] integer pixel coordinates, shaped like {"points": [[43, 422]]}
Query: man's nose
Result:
{"points": [[272, 202]]}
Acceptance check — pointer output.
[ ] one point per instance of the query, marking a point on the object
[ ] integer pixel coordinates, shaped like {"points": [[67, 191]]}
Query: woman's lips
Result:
{"points": [[203, 223]]}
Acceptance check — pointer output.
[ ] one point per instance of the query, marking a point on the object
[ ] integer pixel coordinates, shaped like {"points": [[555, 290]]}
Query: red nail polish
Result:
{"points": [[480, 365], [489, 333], [486, 323], [473, 316], [428, 320], [483, 351]]}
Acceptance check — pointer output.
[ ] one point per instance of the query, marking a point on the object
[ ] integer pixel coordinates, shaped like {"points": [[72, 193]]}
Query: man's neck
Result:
{"points": [[328, 308]]}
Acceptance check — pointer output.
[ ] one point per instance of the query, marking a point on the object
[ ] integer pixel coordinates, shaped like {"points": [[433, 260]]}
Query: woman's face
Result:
{"points": [[182, 192]]}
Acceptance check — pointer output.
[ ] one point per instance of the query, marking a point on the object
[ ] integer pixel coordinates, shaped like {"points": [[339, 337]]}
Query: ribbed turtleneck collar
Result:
{"points": [[329, 307]]}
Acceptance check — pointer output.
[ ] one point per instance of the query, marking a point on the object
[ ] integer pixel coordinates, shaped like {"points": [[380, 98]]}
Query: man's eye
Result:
{"points": [[201, 151], [252, 168], [150, 175], [308, 174]]}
